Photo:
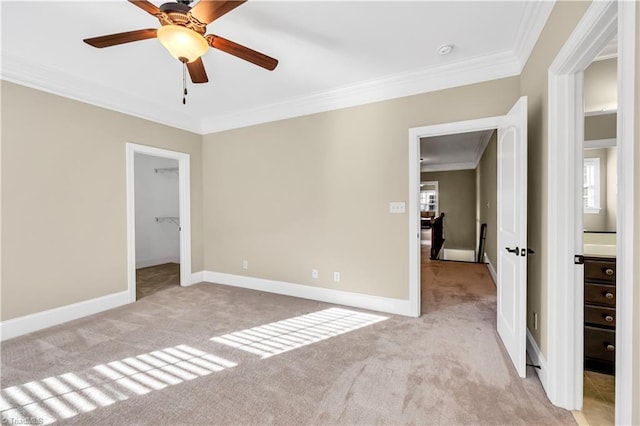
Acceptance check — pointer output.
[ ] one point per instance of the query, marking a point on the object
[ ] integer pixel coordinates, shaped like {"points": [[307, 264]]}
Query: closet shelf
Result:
{"points": [[169, 219], [166, 170]]}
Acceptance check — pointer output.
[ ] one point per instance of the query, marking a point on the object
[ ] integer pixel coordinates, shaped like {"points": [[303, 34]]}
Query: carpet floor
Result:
{"points": [[211, 354]]}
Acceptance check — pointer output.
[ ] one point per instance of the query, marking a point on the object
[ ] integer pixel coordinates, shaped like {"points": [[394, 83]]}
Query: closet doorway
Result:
{"points": [[158, 220], [157, 224]]}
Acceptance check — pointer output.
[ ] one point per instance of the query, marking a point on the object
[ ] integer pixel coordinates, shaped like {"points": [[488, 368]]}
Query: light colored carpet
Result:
{"points": [[154, 362]]}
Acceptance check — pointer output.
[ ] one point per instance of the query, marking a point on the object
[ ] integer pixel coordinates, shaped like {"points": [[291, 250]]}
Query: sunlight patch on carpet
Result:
{"points": [[67, 395], [282, 336]]}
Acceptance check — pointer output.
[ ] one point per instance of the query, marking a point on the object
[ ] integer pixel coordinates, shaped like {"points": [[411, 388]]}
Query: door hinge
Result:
{"points": [[578, 259]]}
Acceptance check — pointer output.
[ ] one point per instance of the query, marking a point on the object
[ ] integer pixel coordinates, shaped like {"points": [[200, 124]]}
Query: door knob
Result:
{"points": [[513, 250]]}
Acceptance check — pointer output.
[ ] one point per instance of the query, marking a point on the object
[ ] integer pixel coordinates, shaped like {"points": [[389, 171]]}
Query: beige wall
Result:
{"points": [[487, 181], [457, 200], [600, 127], [314, 191], [534, 83], [601, 85], [64, 198]]}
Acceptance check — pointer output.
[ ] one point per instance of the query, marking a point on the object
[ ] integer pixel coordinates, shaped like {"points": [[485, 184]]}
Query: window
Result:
{"points": [[591, 181], [428, 201]]}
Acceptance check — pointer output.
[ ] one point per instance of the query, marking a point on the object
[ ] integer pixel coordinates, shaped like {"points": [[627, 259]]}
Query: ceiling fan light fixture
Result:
{"points": [[184, 44]]}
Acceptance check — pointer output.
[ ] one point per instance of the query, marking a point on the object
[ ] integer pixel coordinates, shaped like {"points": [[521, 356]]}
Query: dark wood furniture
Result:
{"points": [[437, 236], [600, 314]]}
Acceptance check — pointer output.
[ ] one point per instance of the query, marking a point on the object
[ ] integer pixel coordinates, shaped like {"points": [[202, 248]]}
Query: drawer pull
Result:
{"points": [[609, 295], [611, 348], [608, 318], [608, 271]]}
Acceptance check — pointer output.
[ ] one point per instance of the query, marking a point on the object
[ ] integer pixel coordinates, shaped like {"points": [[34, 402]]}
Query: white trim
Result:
{"points": [[530, 29], [40, 320], [459, 255], [492, 270], [537, 358], [600, 143], [197, 277], [593, 162], [507, 63], [447, 167], [565, 310], [184, 184], [415, 134], [44, 77], [481, 147], [475, 70], [328, 295], [158, 261], [564, 286], [627, 368], [600, 112]]}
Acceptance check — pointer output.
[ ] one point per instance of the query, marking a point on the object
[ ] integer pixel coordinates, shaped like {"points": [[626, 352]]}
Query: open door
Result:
{"points": [[512, 234]]}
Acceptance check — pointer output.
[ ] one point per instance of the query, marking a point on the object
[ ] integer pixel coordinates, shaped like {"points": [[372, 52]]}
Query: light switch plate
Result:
{"points": [[397, 207]]}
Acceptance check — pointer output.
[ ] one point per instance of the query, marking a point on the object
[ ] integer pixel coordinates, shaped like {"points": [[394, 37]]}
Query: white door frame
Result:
{"points": [[564, 280], [415, 134], [184, 185]]}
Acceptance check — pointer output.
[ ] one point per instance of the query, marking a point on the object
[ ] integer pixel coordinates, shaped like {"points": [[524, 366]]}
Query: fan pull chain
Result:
{"points": [[184, 83]]}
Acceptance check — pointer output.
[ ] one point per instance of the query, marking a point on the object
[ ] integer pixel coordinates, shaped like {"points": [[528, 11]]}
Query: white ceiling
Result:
{"points": [[461, 151], [332, 54]]}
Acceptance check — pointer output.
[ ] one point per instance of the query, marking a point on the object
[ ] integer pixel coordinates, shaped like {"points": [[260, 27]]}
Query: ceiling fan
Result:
{"points": [[182, 32]]}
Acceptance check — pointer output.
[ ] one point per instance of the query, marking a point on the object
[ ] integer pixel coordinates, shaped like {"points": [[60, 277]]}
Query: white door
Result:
{"points": [[512, 234]]}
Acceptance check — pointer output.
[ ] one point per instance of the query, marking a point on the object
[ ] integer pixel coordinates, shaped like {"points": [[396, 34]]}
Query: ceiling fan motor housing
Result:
{"points": [[178, 14]]}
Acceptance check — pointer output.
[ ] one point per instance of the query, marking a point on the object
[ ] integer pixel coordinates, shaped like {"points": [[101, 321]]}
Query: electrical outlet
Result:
{"points": [[314, 274], [336, 277], [535, 320], [245, 264]]}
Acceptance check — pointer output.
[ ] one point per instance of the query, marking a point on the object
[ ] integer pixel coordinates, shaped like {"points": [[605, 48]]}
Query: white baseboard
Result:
{"points": [[459, 255], [356, 300], [158, 261], [492, 270], [197, 277], [40, 320], [537, 358]]}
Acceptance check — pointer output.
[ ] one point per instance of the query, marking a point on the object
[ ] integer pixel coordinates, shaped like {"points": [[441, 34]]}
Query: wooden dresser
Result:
{"points": [[599, 314]]}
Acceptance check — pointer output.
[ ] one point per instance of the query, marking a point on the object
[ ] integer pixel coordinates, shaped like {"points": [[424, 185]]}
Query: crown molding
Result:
{"points": [[53, 80], [449, 167], [534, 18], [482, 146], [475, 70]]}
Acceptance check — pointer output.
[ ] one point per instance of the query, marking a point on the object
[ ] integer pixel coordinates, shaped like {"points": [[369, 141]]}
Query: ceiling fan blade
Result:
{"points": [[207, 11], [197, 72], [242, 52], [120, 38], [147, 7]]}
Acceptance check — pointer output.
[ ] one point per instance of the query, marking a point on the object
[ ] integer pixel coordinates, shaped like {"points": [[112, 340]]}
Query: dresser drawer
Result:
{"points": [[600, 294], [600, 270], [599, 343], [599, 315]]}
